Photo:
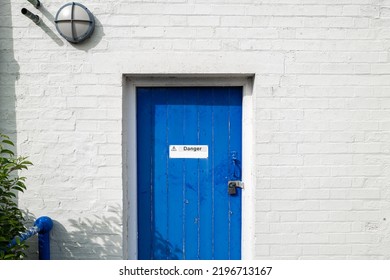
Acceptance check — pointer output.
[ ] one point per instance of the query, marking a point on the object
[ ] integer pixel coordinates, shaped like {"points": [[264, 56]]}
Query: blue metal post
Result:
{"points": [[44, 224]]}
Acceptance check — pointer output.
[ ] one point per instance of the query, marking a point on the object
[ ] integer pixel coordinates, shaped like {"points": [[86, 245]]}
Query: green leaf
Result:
{"points": [[8, 142], [18, 188], [9, 194], [21, 184], [5, 151]]}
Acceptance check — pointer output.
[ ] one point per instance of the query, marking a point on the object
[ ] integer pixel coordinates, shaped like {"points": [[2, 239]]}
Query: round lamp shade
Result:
{"points": [[75, 22]]}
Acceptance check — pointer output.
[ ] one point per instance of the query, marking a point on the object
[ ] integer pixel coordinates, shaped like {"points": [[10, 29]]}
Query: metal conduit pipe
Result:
{"points": [[30, 15], [36, 3], [42, 226]]}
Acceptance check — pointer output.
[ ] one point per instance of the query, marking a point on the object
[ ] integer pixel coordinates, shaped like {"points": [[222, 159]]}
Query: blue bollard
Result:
{"points": [[44, 224]]}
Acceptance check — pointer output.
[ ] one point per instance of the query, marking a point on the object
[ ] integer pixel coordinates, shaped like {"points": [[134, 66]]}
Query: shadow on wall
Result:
{"points": [[92, 42], [98, 238], [47, 16], [9, 73]]}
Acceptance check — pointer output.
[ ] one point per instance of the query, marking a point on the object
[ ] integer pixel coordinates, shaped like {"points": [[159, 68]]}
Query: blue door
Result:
{"points": [[188, 149]]}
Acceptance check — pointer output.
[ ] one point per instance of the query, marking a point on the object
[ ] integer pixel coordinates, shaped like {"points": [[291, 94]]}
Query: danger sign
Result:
{"points": [[188, 151]]}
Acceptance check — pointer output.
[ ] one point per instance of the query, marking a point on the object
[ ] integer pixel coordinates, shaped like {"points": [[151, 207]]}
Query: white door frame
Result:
{"points": [[131, 82]]}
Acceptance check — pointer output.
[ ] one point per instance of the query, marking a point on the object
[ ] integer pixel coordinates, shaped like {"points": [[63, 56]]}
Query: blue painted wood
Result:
{"points": [[221, 172], [175, 179], [191, 177], [161, 246], [235, 143], [206, 209], [184, 210], [145, 182]]}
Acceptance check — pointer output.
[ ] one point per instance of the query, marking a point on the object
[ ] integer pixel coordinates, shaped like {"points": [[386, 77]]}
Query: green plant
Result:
{"points": [[11, 217]]}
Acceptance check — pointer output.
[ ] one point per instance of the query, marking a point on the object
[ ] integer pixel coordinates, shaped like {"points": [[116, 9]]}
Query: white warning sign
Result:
{"points": [[188, 151]]}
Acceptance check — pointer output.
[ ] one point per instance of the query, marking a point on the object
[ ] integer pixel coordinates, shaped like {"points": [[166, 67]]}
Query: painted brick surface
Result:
{"points": [[322, 119]]}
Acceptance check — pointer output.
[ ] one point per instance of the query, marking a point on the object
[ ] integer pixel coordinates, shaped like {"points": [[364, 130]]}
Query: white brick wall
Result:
{"points": [[322, 83]]}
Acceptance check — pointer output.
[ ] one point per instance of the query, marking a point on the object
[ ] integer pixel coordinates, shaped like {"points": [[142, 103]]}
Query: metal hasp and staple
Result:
{"points": [[42, 226]]}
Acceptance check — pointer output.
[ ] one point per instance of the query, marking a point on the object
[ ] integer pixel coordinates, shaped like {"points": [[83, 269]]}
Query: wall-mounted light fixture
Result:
{"points": [[35, 18], [75, 22], [36, 3]]}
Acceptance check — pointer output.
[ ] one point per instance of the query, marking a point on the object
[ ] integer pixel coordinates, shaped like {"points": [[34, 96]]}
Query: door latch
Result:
{"points": [[233, 185]]}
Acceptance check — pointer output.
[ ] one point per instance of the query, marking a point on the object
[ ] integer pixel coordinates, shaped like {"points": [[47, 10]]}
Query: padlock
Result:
{"points": [[232, 188]]}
